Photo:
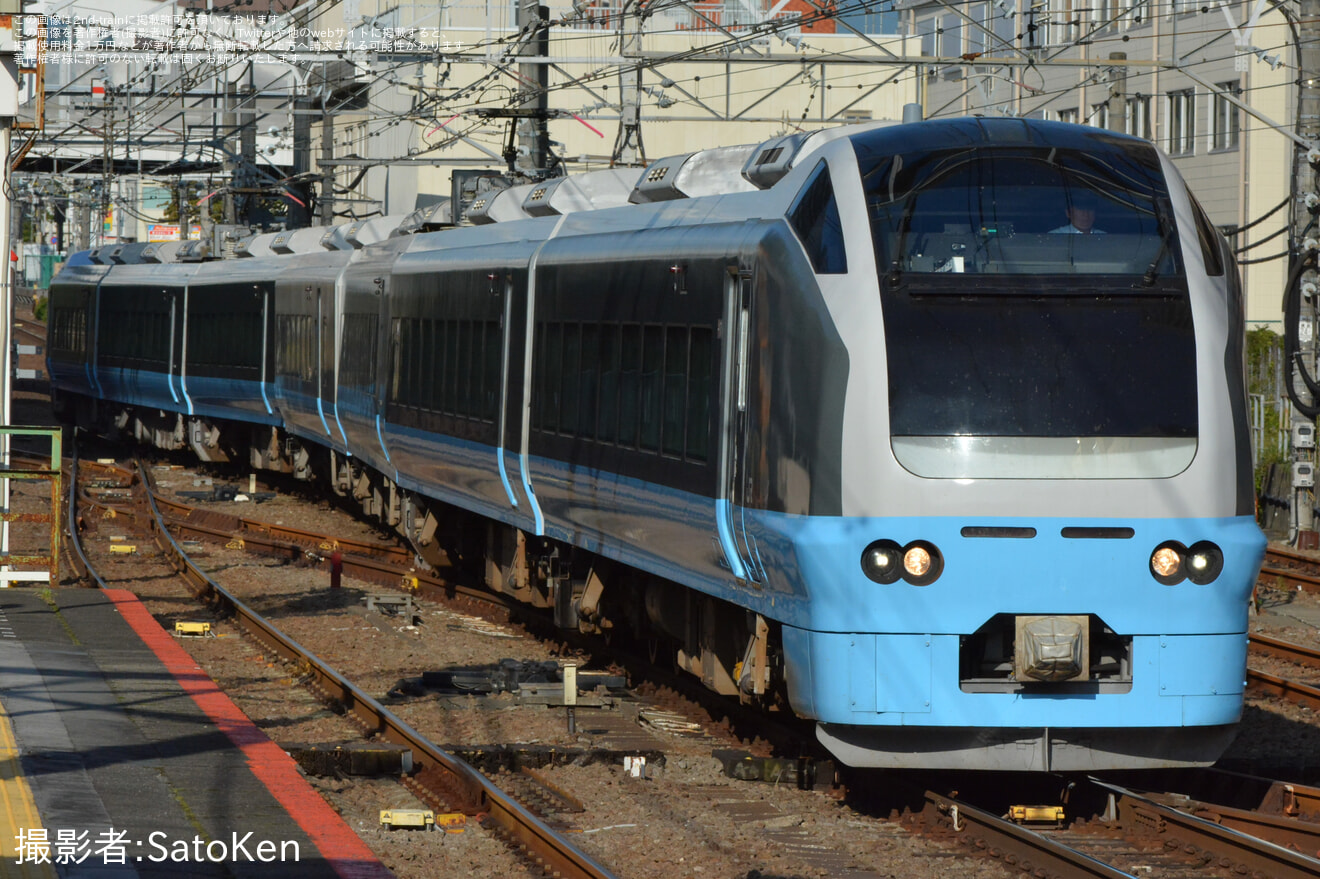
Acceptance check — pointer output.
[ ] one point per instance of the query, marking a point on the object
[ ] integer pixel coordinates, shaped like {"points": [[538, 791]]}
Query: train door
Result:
{"points": [[177, 300], [513, 405], [323, 347], [325, 354], [739, 550]]}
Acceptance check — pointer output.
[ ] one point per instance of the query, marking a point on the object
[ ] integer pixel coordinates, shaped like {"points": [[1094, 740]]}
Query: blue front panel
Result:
{"points": [[819, 558], [229, 398], [912, 680]]}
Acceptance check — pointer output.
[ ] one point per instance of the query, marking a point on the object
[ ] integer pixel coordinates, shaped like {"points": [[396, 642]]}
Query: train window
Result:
{"points": [[630, 385], [649, 388], [675, 389], [700, 386], [449, 367], [568, 401], [653, 353], [1208, 236], [586, 425], [607, 430], [554, 364], [405, 361], [1102, 210], [296, 346], [452, 371], [135, 329], [224, 334], [490, 373], [359, 360], [68, 330], [815, 218]]}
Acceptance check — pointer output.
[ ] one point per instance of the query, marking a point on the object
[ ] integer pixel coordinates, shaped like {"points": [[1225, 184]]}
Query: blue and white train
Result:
{"points": [[934, 433]]}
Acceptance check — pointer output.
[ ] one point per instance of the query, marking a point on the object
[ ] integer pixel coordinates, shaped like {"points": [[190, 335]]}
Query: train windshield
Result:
{"points": [[1037, 318]]}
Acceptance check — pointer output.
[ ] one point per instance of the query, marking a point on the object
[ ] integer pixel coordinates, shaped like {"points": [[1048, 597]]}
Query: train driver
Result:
{"points": [[1080, 211]]}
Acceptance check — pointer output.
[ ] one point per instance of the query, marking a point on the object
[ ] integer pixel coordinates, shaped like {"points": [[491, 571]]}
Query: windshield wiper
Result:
{"points": [[1153, 270]]}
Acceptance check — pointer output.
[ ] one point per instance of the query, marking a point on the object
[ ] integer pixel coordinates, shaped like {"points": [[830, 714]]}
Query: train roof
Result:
{"points": [[716, 171]]}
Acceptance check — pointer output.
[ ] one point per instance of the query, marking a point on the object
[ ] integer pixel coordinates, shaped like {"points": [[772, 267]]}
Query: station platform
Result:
{"points": [[120, 758]]}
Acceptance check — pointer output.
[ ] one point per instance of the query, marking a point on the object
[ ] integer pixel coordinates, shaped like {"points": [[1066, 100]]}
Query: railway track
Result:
{"points": [[1290, 569], [442, 778], [1193, 838]]}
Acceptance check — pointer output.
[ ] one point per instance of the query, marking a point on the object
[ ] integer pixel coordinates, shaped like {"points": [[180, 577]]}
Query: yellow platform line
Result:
{"points": [[18, 811]]}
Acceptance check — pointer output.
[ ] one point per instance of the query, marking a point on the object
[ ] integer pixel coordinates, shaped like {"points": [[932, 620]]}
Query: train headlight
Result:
{"points": [[1205, 562], [882, 560], [1166, 563], [922, 563], [916, 561]]}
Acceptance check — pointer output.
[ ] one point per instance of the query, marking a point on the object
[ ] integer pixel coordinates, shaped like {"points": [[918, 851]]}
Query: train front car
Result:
{"points": [[1046, 544]]}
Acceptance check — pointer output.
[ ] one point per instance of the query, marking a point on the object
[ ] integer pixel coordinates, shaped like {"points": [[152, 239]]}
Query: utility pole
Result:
{"points": [[1118, 92], [247, 120], [9, 26], [300, 215], [628, 149], [1304, 231], [533, 126], [327, 199], [229, 145]]}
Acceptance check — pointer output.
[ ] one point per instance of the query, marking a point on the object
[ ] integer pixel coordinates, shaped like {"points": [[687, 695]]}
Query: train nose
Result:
{"points": [[1051, 648]]}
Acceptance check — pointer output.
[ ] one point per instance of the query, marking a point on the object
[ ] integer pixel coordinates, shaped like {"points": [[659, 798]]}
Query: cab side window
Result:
{"points": [[815, 219]]}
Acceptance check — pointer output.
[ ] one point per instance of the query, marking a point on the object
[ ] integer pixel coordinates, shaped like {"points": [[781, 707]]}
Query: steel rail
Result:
{"points": [[180, 512], [1275, 557], [1291, 833], [553, 851], [1031, 852], [1287, 650], [1302, 694], [71, 523], [1264, 795], [1248, 853], [373, 562]]}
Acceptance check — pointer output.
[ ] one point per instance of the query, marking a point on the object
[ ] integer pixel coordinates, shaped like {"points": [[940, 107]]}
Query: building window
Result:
{"points": [[1099, 115], [1066, 21], [1133, 12], [926, 28], [1069, 115], [1182, 122], [1102, 11], [951, 37], [1227, 118], [1136, 116], [978, 28]]}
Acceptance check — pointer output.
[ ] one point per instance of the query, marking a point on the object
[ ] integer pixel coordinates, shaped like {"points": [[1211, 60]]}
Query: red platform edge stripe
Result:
{"points": [[338, 844]]}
